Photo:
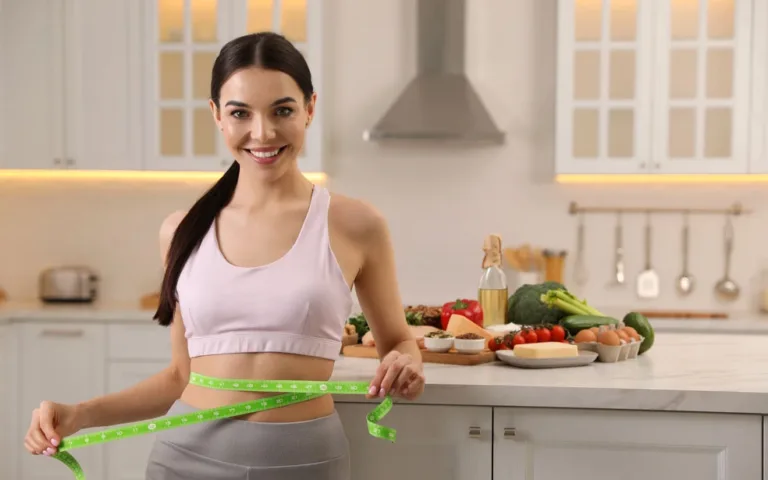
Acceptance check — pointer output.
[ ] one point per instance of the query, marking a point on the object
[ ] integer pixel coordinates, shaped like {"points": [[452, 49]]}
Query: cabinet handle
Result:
{"points": [[642, 165], [509, 433], [70, 161], [57, 161], [474, 432], [57, 332]]}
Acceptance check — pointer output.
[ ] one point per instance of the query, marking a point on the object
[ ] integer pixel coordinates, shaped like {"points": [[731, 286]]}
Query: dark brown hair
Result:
{"points": [[266, 50]]}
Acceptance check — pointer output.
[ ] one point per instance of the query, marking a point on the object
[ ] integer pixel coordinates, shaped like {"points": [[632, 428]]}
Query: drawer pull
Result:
{"points": [[55, 332], [474, 432], [509, 433]]}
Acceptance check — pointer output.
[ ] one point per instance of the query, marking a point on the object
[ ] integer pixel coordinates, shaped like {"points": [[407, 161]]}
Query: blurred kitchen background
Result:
{"points": [[441, 200]]}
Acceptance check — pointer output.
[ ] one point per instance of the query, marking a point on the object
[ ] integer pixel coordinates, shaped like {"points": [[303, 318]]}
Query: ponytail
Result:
{"points": [[188, 236]]}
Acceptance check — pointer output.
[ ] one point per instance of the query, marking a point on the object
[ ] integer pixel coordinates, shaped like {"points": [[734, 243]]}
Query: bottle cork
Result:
{"points": [[492, 249]]}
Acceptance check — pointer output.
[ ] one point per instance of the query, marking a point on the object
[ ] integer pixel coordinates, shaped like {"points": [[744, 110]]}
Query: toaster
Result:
{"points": [[68, 284]]}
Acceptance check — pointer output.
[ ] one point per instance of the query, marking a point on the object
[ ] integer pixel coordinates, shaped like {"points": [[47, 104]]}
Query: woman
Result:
{"points": [[257, 285]]}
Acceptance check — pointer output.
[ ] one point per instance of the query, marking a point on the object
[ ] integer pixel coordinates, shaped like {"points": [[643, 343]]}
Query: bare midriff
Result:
{"points": [[261, 366]]}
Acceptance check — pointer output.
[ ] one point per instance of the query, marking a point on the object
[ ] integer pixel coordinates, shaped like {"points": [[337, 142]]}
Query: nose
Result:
{"points": [[262, 129]]}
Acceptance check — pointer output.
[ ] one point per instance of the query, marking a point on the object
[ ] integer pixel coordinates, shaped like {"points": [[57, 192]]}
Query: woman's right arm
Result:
{"points": [[149, 398]]}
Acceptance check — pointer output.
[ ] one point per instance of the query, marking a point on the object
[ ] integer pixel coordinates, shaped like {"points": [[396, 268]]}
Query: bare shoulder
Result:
{"points": [[356, 219], [168, 228]]}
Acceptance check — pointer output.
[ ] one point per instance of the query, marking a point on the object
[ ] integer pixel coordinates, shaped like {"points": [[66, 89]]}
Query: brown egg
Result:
{"points": [[609, 337], [623, 335], [585, 336], [632, 333]]}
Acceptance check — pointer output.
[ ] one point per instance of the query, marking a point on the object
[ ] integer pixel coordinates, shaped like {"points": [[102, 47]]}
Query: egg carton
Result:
{"points": [[613, 353]]}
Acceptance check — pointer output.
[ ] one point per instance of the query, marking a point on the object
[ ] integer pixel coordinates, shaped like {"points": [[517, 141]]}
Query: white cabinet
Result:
{"points": [[127, 459], [551, 444], [182, 40], [63, 363], [68, 83], [654, 87], [433, 441], [32, 35]]}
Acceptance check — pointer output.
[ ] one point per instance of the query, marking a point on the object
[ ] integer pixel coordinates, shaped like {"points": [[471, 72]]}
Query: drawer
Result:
{"points": [[138, 342]]}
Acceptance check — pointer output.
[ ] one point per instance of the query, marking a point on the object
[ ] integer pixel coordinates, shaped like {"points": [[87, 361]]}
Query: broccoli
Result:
{"points": [[526, 308]]}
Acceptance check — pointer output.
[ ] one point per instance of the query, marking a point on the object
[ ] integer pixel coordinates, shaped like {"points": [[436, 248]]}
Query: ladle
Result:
{"points": [[727, 289]]}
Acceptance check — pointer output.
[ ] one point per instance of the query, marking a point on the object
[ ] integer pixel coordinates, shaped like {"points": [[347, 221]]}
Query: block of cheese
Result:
{"points": [[459, 325], [546, 350]]}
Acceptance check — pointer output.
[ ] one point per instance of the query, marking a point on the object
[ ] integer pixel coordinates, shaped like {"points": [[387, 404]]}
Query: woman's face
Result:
{"points": [[263, 118]]}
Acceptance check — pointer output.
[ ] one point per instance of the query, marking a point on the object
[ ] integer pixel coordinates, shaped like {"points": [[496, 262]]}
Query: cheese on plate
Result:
{"points": [[546, 350]]}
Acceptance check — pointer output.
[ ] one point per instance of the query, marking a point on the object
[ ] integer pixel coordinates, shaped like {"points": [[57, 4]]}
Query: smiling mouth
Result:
{"points": [[266, 156]]}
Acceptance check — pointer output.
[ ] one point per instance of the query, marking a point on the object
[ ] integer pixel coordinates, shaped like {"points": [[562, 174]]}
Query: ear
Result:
{"points": [[311, 109], [216, 114]]}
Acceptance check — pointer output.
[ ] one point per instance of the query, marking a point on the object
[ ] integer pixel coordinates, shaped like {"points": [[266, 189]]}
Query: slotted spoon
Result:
{"points": [[648, 279]]}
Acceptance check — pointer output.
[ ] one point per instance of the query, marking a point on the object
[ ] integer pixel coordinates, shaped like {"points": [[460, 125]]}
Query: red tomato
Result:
{"points": [[543, 335], [558, 333], [530, 336], [518, 339], [495, 344]]}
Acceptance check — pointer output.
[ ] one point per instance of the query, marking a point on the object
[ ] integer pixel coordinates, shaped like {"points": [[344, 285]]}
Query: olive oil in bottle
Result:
{"points": [[492, 294]]}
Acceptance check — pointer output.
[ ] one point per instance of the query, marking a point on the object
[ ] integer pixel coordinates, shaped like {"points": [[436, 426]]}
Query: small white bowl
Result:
{"points": [[437, 344], [465, 345]]}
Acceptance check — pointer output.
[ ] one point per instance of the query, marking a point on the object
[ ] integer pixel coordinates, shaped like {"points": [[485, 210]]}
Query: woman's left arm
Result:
{"points": [[400, 372]]}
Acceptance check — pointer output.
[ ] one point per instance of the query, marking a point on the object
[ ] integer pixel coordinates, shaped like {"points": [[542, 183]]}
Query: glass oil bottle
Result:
{"points": [[492, 293]]}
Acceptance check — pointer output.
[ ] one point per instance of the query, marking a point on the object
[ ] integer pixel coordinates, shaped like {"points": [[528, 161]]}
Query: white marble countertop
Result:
{"points": [[682, 372]]}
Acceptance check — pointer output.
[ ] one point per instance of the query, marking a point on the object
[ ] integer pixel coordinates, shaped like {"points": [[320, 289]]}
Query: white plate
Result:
{"points": [[584, 358]]}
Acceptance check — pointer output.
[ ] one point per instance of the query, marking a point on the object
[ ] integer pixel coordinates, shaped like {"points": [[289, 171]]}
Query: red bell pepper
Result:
{"points": [[465, 307]]}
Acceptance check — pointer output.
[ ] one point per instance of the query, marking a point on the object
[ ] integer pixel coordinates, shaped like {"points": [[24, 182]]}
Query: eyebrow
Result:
{"points": [[279, 101]]}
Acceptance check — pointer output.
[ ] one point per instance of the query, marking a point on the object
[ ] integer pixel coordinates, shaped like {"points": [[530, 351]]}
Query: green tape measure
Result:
{"points": [[295, 392]]}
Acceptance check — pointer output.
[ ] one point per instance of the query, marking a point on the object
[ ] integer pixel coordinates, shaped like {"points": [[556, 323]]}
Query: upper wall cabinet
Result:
{"points": [[183, 38], [656, 86], [69, 84]]}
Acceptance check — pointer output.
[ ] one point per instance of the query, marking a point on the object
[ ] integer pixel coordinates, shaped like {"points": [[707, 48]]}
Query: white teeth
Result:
{"points": [[264, 154]]}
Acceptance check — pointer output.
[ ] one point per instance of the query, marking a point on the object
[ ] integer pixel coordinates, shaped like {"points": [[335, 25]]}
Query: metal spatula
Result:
{"points": [[648, 279]]}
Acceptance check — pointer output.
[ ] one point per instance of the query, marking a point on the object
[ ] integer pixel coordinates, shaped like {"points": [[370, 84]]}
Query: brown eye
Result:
{"points": [[283, 111]]}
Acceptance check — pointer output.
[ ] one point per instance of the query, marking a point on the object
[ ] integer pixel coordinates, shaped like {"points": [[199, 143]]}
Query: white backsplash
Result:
{"points": [[440, 201]]}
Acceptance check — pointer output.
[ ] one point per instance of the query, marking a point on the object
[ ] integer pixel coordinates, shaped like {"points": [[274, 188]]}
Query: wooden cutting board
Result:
{"points": [[683, 314], [449, 358]]}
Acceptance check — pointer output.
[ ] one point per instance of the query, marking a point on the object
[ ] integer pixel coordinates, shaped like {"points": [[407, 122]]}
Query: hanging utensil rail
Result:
{"points": [[735, 209]]}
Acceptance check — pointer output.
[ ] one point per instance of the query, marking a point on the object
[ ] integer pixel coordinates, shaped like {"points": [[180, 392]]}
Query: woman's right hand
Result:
{"points": [[50, 423]]}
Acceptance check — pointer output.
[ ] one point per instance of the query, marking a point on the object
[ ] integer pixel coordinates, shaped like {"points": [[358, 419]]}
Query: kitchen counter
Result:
{"points": [[682, 372], [26, 311]]}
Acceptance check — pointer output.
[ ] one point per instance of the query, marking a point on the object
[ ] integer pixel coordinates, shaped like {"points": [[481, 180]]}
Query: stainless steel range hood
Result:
{"points": [[440, 102]]}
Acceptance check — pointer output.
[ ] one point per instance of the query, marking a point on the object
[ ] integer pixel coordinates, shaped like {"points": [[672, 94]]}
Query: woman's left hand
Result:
{"points": [[398, 375]]}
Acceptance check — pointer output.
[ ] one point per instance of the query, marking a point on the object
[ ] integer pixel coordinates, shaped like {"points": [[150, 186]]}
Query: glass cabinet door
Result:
{"points": [[183, 42], [702, 86], [603, 90], [300, 22]]}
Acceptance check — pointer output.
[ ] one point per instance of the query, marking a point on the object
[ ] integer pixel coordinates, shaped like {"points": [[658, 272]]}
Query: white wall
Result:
{"points": [[440, 201]]}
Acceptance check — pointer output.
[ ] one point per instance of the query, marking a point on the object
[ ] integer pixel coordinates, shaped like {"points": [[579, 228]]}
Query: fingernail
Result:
{"points": [[49, 450], [55, 442], [372, 390], [382, 392]]}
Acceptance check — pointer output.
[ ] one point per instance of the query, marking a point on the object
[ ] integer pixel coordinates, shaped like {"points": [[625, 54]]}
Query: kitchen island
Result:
{"points": [[692, 407]]}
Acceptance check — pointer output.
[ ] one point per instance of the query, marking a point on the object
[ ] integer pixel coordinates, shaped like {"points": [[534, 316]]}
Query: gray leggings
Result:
{"points": [[231, 449]]}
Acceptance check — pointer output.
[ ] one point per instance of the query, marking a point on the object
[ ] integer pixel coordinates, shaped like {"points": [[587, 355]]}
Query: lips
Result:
{"points": [[265, 156]]}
